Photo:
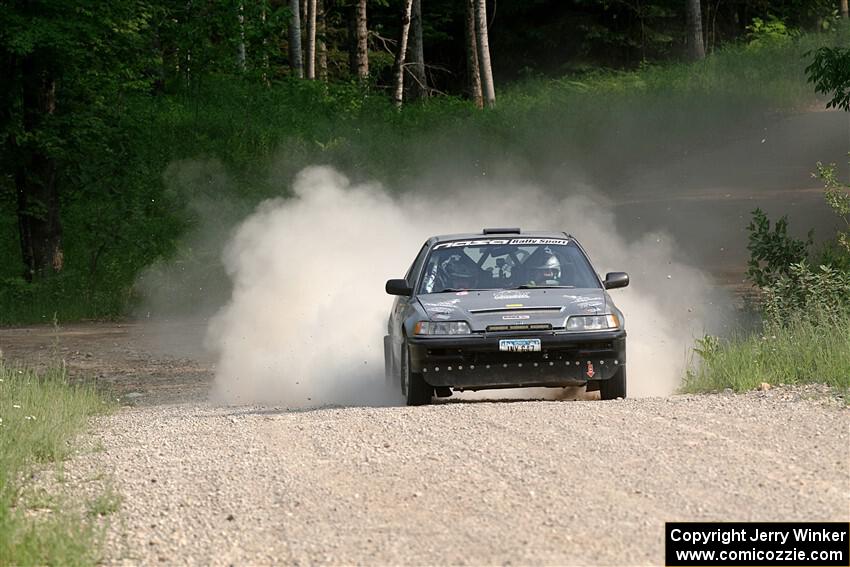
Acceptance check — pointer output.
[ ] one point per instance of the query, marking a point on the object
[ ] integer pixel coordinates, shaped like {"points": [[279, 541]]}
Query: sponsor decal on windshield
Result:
{"points": [[432, 276], [503, 241], [539, 241]]}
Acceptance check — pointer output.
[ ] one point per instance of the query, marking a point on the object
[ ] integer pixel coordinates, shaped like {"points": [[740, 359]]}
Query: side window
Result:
{"points": [[417, 265], [430, 278]]}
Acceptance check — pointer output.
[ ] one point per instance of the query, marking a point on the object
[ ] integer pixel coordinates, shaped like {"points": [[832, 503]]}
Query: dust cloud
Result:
{"points": [[308, 311]]}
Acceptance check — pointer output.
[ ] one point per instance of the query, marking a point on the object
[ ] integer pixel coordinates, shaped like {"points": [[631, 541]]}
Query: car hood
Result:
{"points": [[514, 307]]}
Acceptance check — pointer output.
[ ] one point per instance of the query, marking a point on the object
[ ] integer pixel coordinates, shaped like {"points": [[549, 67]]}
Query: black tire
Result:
{"points": [[615, 386], [417, 392]]}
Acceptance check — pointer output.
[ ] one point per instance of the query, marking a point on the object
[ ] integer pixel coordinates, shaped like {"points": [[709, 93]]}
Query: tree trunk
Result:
{"points": [[240, 48], [352, 39], [487, 87], [844, 9], [362, 49], [419, 85], [35, 178], [321, 31], [265, 51], [696, 45], [398, 68], [304, 32], [161, 70], [472, 70], [295, 62], [311, 39]]}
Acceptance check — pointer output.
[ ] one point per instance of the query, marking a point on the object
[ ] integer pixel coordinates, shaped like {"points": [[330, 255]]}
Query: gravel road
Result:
{"points": [[533, 482], [571, 483]]}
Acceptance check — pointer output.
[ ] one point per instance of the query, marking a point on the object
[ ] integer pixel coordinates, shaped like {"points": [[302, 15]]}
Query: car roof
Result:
{"points": [[507, 234]]}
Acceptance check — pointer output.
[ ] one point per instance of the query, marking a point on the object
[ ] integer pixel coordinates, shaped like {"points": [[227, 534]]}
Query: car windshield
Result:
{"points": [[505, 264]]}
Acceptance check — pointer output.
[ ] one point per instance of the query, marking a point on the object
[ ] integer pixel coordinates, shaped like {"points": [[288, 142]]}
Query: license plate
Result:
{"points": [[519, 345]]}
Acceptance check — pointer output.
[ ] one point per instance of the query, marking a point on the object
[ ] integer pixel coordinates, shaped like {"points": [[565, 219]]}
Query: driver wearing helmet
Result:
{"points": [[545, 269], [458, 274]]}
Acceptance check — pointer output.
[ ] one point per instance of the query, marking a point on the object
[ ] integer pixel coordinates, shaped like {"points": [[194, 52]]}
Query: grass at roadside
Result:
{"points": [[799, 353], [41, 413]]}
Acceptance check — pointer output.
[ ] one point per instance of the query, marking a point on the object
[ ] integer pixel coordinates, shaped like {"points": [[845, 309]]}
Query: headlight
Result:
{"points": [[593, 322], [441, 328]]}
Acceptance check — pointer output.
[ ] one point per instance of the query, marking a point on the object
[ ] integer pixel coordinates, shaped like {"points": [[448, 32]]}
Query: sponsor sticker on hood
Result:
{"points": [[510, 294]]}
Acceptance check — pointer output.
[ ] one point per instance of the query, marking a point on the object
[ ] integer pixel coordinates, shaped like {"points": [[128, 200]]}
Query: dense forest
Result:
{"points": [[99, 99]]}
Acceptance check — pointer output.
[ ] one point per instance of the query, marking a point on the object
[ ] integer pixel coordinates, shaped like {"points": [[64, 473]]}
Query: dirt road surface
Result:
{"points": [[526, 482]]}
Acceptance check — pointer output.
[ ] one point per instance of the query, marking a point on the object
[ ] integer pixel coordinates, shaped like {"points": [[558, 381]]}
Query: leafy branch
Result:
{"points": [[830, 74]]}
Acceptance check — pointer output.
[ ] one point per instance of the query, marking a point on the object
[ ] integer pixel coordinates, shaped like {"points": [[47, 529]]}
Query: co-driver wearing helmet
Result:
{"points": [[545, 269]]}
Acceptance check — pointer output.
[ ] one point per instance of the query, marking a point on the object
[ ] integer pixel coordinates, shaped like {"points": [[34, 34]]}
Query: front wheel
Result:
{"points": [[615, 386], [417, 392]]}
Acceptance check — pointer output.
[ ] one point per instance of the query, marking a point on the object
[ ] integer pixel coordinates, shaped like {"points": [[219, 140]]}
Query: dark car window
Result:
{"points": [[416, 265], [506, 263]]}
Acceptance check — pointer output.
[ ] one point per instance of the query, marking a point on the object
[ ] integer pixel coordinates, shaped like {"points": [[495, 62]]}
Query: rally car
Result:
{"points": [[504, 309]]}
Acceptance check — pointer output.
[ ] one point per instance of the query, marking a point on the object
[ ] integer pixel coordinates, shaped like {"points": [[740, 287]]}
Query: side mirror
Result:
{"points": [[398, 287], [613, 280]]}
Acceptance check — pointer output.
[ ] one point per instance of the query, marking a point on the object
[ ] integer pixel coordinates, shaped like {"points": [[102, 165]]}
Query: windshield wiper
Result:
{"points": [[455, 289]]}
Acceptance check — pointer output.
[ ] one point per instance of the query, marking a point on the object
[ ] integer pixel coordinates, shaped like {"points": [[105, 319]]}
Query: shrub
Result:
{"points": [[837, 196], [817, 297], [772, 252], [769, 31]]}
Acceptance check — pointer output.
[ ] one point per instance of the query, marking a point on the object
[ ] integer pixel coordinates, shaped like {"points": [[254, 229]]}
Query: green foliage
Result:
{"points": [[41, 412], [799, 352], [830, 74], [762, 32], [837, 196], [772, 252], [707, 347], [106, 503], [791, 290], [806, 314], [801, 294], [140, 177], [199, 39]]}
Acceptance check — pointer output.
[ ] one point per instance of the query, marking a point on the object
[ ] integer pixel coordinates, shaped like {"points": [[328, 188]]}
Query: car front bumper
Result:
{"points": [[473, 362]]}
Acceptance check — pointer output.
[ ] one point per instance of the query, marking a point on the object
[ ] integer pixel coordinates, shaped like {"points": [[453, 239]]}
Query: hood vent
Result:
{"points": [[529, 309]]}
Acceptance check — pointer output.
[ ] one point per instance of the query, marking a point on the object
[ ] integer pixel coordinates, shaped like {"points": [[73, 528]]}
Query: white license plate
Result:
{"points": [[519, 345]]}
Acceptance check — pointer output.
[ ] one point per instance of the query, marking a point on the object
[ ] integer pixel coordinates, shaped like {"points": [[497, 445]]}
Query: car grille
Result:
{"points": [[522, 327]]}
